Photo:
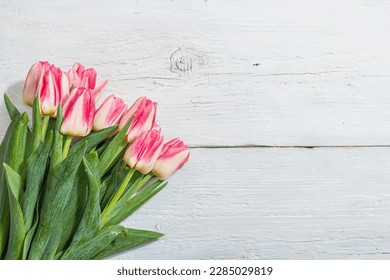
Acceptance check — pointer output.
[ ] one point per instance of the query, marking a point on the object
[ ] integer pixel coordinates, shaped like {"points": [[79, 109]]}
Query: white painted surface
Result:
{"points": [[235, 73], [322, 203]]}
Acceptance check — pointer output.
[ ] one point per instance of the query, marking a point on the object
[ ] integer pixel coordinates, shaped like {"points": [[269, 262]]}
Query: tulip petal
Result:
{"points": [[173, 156], [79, 113], [143, 152]]}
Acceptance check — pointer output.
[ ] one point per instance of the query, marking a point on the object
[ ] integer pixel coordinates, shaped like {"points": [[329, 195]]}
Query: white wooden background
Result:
{"points": [[285, 103]]}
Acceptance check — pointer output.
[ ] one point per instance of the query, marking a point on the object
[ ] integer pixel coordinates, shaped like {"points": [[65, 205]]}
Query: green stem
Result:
{"points": [[116, 197], [46, 120], [123, 165], [142, 182], [68, 141]]}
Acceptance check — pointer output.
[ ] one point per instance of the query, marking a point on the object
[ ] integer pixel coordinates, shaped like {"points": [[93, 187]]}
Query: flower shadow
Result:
{"points": [[14, 92]]}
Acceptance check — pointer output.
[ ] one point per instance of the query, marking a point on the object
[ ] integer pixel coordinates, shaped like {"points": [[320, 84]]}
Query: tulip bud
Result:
{"points": [[86, 78], [143, 153], [144, 113], [173, 156], [75, 74], [63, 85], [109, 113], [53, 89], [32, 80], [79, 113]]}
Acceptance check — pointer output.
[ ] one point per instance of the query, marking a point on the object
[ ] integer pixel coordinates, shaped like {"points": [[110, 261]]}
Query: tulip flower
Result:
{"points": [[50, 83], [140, 155], [53, 89], [109, 113], [173, 156], [79, 113], [143, 152], [144, 113], [32, 80], [86, 78]]}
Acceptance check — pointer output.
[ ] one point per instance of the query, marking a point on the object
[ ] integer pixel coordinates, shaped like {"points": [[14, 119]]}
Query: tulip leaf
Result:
{"points": [[36, 170], [89, 224], [56, 154], [58, 185], [12, 110], [15, 191], [103, 188], [95, 245], [4, 206], [112, 185], [133, 238], [15, 182], [13, 140], [37, 125], [113, 150], [54, 241], [75, 207], [125, 207], [94, 138], [17, 146], [30, 234]]}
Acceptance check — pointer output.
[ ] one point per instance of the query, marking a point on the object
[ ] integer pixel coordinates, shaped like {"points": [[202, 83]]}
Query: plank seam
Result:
{"points": [[284, 146]]}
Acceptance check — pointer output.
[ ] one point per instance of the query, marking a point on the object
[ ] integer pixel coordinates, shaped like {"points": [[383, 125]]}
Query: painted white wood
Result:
{"points": [[323, 203], [233, 73], [271, 72]]}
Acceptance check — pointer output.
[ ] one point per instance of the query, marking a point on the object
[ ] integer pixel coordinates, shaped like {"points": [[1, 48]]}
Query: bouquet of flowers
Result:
{"points": [[69, 179]]}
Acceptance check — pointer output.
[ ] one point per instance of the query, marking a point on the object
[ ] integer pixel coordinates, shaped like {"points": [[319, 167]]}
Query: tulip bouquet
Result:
{"points": [[69, 179]]}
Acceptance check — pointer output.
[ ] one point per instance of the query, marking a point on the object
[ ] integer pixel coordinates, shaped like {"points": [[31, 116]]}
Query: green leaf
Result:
{"points": [[113, 150], [125, 208], [112, 185], [15, 182], [30, 234], [75, 207], [58, 186], [89, 224], [52, 245], [77, 202], [122, 242], [12, 152], [15, 190], [12, 110], [4, 203], [94, 138], [56, 154], [37, 125], [17, 146], [103, 188], [92, 247], [36, 171]]}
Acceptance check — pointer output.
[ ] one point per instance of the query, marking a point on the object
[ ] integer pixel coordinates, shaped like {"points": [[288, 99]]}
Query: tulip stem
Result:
{"points": [[68, 141], [142, 182], [116, 197], [45, 124]]}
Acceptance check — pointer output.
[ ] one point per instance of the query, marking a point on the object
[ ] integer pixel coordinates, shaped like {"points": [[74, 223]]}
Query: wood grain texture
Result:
{"points": [[323, 203], [233, 74], [224, 72]]}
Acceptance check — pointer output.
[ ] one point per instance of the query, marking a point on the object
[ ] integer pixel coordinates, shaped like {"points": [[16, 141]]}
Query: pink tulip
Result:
{"points": [[86, 78], [32, 80], [143, 153], [109, 113], [63, 84], [79, 113], [144, 113], [53, 89], [173, 156]]}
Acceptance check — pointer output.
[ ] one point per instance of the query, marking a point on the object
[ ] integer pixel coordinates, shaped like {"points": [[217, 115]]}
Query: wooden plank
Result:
{"points": [[224, 72], [262, 203]]}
